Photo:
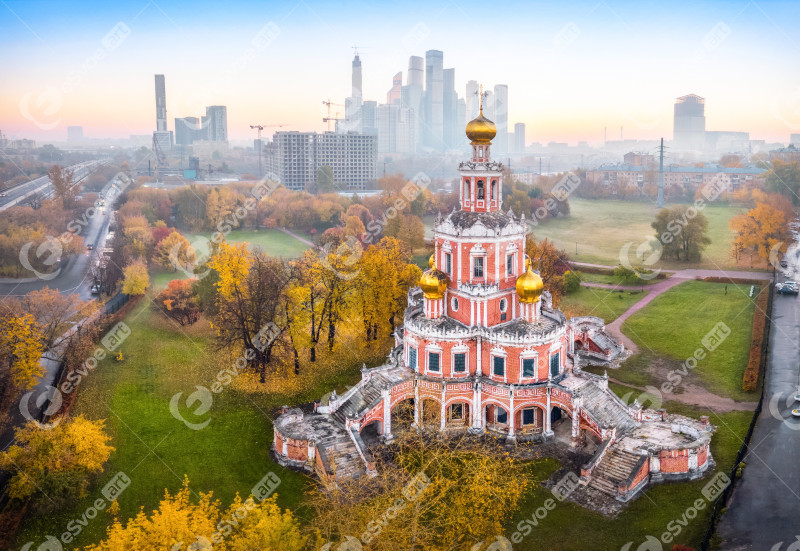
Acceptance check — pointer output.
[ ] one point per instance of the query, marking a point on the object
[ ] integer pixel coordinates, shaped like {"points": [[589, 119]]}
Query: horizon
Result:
{"points": [[585, 67]]}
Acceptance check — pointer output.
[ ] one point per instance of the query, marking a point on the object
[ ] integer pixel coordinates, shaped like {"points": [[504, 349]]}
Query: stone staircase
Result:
{"points": [[340, 455], [605, 408], [614, 469], [364, 397]]}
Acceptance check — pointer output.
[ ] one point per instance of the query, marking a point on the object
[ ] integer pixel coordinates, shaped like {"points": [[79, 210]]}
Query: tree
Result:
{"points": [[177, 302], [243, 526], [551, 263], [63, 188], [422, 481], [572, 281], [407, 228], [325, 180], [56, 313], [54, 465], [136, 279], [175, 251], [761, 229], [681, 232], [784, 178], [21, 348]]}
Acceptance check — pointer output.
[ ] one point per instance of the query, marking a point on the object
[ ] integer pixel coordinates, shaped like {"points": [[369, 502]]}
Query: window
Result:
{"points": [[448, 263], [494, 190], [457, 412], [480, 190], [502, 415], [477, 270], [412, 358], [528, 416], [466, 190], [454, 304], [510, 265], [503, 305], [555, 361], [433, 361], [460, 362], [529, 367], [499, 364]]}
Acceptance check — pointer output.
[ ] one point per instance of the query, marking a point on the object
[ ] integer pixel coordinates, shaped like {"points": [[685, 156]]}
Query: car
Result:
{"points": [[796, 412], [797, 397], [784, 264], [3, 194], [90, 246], [787, 288], [96, 289]]}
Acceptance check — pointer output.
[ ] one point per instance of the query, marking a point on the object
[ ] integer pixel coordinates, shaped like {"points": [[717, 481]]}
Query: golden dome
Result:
{"points": [[433, 282], [481, 130], [529, 285]]}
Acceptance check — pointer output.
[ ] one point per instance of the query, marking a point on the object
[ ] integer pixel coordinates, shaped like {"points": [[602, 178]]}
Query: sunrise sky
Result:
{"points": [[571, 67]]}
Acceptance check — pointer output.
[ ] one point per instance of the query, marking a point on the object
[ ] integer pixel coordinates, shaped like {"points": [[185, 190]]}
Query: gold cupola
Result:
{"points": [[480, 130], [433, 282], [529, 285]]}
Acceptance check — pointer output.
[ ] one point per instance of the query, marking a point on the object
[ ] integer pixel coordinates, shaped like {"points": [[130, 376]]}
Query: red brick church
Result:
{"points": [[483, 350]]}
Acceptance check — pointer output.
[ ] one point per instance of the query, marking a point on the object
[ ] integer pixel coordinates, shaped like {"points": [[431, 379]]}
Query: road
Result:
{"points": [[73, 277], [764, 512], [19, 193]]}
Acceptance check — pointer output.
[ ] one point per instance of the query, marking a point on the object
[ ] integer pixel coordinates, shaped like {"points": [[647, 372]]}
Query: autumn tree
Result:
{"points": [[408, 228], [136, 279], [175, 251], [682, 232], [762, 229], [250, 300], [177, 302], [63, 186], [551, 264], [21, 347], [54, 465], [784, 178], [422, 481], [179, 522], [56, 314]]}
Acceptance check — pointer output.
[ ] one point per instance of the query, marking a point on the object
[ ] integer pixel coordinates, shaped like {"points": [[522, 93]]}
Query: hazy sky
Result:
{"points": [[571, 67]]}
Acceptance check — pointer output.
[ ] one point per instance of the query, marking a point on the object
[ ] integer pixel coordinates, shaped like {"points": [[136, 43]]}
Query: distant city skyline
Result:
{"points": [[572, 69]]}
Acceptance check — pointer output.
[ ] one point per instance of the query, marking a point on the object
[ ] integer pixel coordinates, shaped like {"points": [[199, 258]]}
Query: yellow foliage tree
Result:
{"points": [[136, 279], [56, 462], [180, 522], [174, 251], [232, 263], [21, 347]]}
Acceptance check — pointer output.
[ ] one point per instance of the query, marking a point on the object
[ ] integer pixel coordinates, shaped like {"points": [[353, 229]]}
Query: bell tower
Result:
{"points": [[481, 186]]}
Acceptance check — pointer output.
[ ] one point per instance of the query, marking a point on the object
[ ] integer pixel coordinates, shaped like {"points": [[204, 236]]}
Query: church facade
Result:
{"points": [[482, 350]]}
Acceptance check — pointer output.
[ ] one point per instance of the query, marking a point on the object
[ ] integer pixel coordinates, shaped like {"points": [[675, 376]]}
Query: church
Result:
{"points": [[482, 350]]}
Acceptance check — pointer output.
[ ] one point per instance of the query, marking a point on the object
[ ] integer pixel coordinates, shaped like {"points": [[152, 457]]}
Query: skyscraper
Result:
{"points": [[216, 123], [186, 130], [450, 108], [472, 99], [519, 138], [161, 104], [356, 77], [689, 123], [434, 99], [501, 117], [412, 94], [394, 94]]}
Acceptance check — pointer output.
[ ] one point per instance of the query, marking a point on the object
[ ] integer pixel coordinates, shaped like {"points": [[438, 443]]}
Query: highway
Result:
{"points": [[19, 193]]}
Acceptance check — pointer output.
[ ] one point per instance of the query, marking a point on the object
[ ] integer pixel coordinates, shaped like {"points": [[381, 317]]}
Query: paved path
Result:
{"points": [[301, 239]]}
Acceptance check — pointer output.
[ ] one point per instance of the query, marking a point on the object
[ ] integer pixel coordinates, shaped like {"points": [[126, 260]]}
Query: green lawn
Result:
{"points": [[603, 303], [602, 227], [610, 279], [153, 448], [272, 242], [568, 525], [675, 324]]}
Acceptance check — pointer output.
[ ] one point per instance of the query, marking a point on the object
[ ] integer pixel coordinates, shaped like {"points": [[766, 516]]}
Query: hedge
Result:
{"points": [[757, 341]]}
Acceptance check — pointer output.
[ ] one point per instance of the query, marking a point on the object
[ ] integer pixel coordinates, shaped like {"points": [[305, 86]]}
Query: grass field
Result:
{"points": [[603, 303], [154, 448], [601, 228], [675, 325], [272, 242], [613, 280]]}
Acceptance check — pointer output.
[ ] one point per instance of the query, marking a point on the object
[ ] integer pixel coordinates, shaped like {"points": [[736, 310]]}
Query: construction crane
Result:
{"points": [[328, 119], [261, 127]]}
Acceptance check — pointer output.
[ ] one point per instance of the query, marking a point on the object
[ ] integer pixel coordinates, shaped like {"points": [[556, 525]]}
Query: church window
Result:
{"points": [[480, 190], [499, 365], [478, 267]]}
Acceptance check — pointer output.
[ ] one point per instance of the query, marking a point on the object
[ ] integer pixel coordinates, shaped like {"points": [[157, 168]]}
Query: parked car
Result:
{"points": [[787, 288], [3, 194], [796, 412], [784, 264], [95, 289], [90, 246]]}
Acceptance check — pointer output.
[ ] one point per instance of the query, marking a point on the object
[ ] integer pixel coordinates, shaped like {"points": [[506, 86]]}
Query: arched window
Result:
{"points": [[494, 190], [466, 190], [480, 190]]}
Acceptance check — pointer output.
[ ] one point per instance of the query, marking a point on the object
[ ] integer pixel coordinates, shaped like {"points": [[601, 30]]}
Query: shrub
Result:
{"points": [[757, 341]]}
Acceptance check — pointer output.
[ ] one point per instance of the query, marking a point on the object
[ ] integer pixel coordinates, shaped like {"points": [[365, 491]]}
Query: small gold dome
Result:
{"points": [[433, 282], [481, 130], [529, 285]]}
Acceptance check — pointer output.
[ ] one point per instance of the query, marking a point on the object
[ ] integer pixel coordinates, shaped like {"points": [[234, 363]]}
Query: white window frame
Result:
{"points": [[529, 355], [500, 305], [498, 354], [482, 258], [459, 350], [436, 350]]}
